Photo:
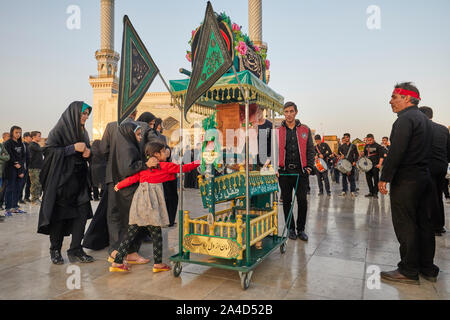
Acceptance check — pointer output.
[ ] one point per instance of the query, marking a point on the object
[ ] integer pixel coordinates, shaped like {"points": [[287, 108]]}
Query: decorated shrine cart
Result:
{"points": [[240, 236], [246, 229]]}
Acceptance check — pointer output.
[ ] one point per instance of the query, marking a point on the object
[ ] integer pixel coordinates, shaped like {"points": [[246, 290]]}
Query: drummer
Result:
{"points": [[322, 151], [349, 152], [375, 152]]}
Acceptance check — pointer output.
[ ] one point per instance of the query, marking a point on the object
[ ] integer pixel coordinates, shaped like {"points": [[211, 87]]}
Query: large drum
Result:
{"points": [[344, 166], [321, 165], [364, 164]]}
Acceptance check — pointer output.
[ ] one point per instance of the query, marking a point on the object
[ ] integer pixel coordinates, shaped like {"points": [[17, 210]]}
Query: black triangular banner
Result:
{"points": [[137, 71], [211, 62]]}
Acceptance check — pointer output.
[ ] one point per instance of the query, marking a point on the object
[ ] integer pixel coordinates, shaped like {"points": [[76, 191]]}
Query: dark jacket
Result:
{"points": [[36, 156], [410, 151], [440, 149], [352, 155], [323, 149], [17, 154]]}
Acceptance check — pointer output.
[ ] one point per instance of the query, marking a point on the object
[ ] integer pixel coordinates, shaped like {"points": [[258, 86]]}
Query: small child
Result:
{"points": [[148, 209]]}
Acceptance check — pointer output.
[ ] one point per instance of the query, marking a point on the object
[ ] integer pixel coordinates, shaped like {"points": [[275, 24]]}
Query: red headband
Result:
{"points": [[404, 92]]}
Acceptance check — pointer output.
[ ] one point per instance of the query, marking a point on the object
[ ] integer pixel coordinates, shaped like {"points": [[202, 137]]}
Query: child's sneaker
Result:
{"points": [[20, 211], [8, 213]]}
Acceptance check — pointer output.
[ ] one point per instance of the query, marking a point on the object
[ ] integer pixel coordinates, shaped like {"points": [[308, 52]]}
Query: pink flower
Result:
{"points": [[257, 49], [189, 57], [267, 64], [235, 27], [242, 48]]}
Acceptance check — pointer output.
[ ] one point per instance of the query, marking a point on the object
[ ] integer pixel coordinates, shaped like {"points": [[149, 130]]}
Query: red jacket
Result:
{"points": [[305, 146], [166, 172]]}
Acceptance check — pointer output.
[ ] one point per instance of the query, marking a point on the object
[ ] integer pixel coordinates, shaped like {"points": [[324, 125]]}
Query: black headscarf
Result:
{"points": [[57, 168], [128, 157], [146, 117]]}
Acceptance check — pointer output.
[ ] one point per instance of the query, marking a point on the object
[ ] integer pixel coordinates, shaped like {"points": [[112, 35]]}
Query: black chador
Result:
{"points": [[65, 180]]}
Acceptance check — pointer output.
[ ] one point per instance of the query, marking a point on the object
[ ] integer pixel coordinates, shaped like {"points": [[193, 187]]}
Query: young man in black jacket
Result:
{"points": [[322, 151], [375, 152], [15, 170], [348, 151]]}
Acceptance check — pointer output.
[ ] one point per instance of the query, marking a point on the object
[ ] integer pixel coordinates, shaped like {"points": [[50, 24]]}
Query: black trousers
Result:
{"points": [[437, 204], [323, 176], [76, 226], [372, 177], [413, 225], [117, 218], [287, 185], [133, 231], [171, 197]]}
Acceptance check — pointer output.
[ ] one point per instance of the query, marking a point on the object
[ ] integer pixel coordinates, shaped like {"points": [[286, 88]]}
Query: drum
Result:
{"points": [[321, 165], [364, 164], [344, 166]]}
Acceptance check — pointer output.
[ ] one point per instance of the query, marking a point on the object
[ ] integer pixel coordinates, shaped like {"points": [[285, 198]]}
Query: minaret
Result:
{"points": [[105, 83], [255, 21], [255, 26]]}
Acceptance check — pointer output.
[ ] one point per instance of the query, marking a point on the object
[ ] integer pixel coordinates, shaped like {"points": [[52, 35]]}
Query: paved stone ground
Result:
{"points": [[346, 236]]}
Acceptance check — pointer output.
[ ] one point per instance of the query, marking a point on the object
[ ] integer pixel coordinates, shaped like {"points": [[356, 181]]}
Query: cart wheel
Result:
{"points": [[245, 279], [177, 269], [283, 248]]}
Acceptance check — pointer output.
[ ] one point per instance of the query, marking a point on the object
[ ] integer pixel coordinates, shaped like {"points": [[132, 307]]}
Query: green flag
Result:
{"points": [[211, 62], [137, 71]]}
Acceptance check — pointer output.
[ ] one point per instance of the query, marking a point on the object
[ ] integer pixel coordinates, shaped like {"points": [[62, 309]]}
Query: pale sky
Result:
{"points": [[322, 54]]}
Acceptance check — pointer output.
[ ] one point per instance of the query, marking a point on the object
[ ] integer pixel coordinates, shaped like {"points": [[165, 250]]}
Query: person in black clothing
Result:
{"points": [[36, 163], [264, 134], [296, 156], [65, 206], [440, 151], [406, 168], [385, 144], [375, 153], [322, 151], [14, 170], [348, 151], [26, 183], [98, 170]]}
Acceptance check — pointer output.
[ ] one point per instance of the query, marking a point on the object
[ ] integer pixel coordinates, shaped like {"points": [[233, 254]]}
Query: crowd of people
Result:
{"points": [[130, 171]]}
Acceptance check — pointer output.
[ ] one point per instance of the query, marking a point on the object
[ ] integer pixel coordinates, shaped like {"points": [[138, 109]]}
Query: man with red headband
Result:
{"points": [[406, 169]]}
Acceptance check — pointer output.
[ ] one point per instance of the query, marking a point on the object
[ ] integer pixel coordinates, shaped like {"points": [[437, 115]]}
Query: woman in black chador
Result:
{"points": [[65, 180]]}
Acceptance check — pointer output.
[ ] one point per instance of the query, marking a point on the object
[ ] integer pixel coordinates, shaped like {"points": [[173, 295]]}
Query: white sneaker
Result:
{"points": [[343, 193]]}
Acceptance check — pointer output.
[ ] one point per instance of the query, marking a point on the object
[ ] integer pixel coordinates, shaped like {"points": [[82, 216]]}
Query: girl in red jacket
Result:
{"points": [[148, 209]]}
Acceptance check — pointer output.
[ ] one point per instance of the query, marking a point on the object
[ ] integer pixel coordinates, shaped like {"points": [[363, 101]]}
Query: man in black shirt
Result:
{"points": [[348, 151], [323, 151], [375, 153], [26, 183], [440, 150], [296, 157], [385, 144], [406, 169], [35, 166]]}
